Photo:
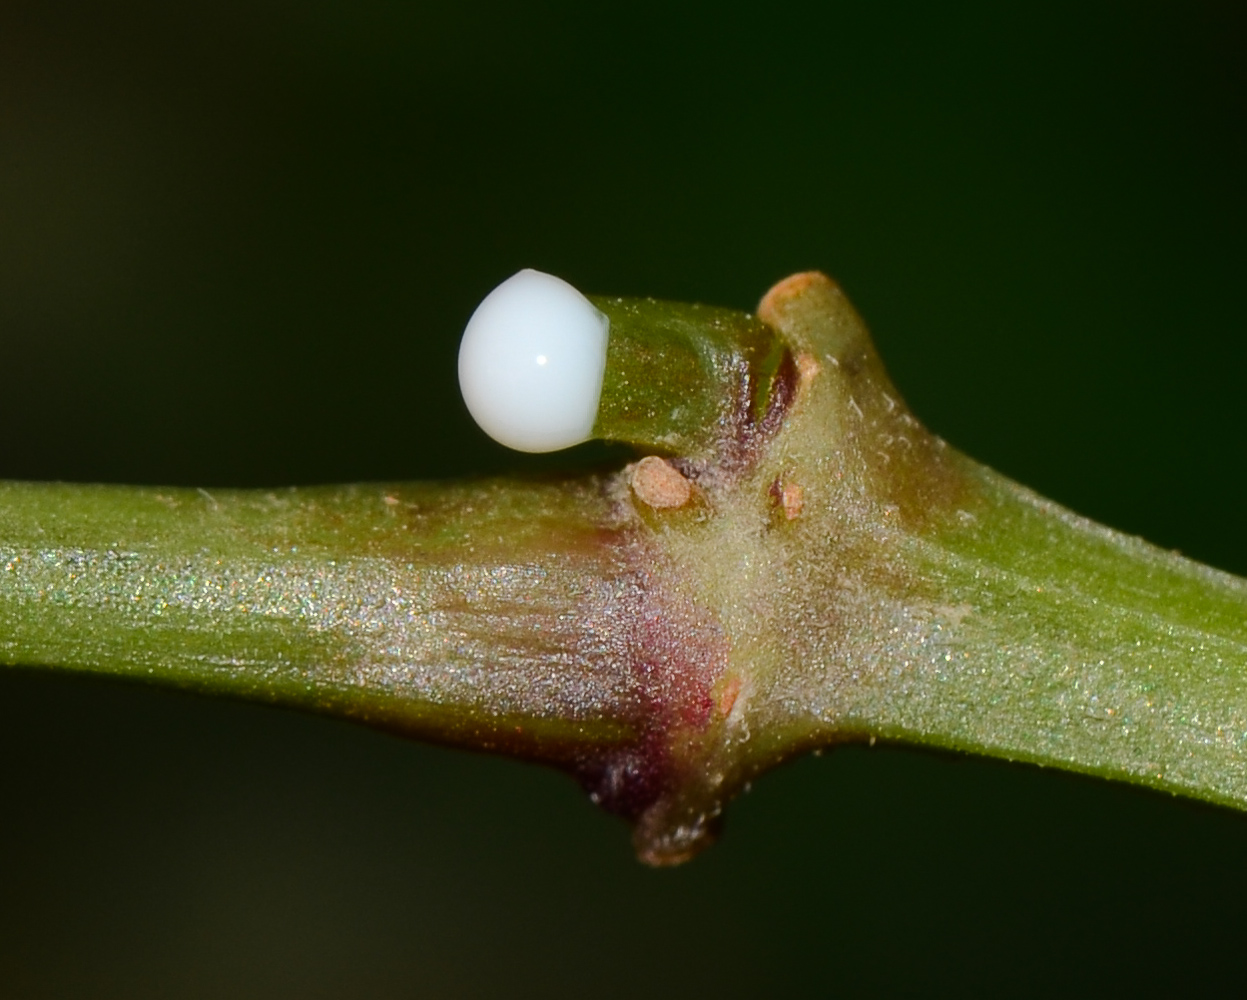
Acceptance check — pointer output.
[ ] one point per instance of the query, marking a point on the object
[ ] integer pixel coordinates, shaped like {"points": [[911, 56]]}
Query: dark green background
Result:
{"points": [[238, 241]]}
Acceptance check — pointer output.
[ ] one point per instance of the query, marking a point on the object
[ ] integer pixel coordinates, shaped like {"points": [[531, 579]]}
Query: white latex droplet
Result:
{"points": [[531, 363]]}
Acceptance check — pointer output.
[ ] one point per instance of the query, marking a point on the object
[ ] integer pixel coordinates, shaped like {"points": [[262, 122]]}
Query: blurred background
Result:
{"points": [[238, 243]]}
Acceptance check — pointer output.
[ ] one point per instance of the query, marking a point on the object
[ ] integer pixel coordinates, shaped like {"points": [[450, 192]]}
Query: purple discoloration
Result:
{"points": [[743, 433], [783, 392], [675, 652]]}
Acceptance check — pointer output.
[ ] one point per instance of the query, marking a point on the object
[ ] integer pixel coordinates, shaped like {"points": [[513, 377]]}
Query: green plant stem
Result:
{"points": [[422, 608], [678, 375], [828, 571], [1125, 661], [1038, 635]]}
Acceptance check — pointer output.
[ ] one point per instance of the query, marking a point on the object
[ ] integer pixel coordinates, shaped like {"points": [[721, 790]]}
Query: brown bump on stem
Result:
{"points": [[727, 696], [808, 369], [789, 497], [792, 500], [659, 484], [772, 306]]}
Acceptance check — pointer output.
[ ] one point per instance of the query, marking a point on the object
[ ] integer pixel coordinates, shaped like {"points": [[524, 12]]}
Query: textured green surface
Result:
{"points": [[678, 375], [415, 607], [1063, 643]]}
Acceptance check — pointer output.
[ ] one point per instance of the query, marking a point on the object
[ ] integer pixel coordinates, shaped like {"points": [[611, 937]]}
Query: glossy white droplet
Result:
{"points": [[531, 363]]}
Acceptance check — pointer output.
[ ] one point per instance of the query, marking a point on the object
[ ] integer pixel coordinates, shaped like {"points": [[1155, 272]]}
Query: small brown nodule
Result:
{"points": [[659, 484], [792, 501], [789, 497], [808, 370], [727, 697]]}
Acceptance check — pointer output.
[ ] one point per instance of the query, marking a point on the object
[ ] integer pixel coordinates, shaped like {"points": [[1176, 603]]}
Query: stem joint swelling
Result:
{"points": [[792, 561]]}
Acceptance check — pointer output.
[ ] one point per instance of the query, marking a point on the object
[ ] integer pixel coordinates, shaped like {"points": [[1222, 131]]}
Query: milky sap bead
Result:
{"points": [[531, 363]]}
